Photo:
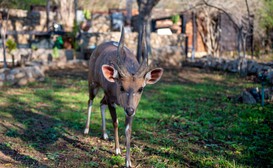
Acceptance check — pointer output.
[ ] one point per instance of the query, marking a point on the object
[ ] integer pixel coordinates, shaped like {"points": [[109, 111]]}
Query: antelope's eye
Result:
{"points": [[122, 89], [140, 90]]}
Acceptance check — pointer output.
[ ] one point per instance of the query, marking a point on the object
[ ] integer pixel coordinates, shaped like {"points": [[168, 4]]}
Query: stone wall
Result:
{"points": [[165, 49], [100, 23], [22, 20], [35, 71], [157, 41], [21, 75], [240, 65]]}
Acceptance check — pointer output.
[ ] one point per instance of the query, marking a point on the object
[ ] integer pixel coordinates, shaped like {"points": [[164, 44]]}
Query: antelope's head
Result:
{"points": [[130, 86]]}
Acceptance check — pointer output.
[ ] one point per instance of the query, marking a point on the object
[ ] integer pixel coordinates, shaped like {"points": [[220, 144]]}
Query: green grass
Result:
{"points": [[176, 125]]}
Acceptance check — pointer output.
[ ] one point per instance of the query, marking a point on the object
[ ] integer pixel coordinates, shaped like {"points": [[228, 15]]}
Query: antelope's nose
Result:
{"points": [[129, 111]]}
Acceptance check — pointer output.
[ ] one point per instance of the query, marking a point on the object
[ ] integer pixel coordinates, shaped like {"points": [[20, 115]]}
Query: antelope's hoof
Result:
{"points": [[86, 131], [118, 151], [128, 164], [105, 136]]}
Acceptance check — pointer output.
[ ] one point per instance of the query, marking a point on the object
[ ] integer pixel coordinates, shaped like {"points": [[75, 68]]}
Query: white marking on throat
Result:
{"points": [[127, 128]]}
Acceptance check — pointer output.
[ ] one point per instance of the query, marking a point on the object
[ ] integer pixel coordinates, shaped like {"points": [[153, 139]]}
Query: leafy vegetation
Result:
{"points": [[266, 14], [175, 19], [22, 4], [11, 45], [178, 124]]}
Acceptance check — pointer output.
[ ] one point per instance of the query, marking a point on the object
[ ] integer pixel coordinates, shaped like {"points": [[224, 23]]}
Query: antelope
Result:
{"points": [[115, 69]]}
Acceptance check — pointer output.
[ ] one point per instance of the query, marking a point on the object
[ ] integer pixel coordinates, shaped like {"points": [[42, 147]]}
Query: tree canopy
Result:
{"points": [[267, 14]]}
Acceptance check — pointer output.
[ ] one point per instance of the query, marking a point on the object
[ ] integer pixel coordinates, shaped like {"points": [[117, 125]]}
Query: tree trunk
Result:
{"points": [[145, 8], [3, 35], [47, 15], [129, 4], [148, 36], [240, 39], [140, 38], [66, 13], [75, 10]]}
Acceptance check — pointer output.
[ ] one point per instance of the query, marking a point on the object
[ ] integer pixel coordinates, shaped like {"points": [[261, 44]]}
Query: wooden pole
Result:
{"points": [[193, 36]]}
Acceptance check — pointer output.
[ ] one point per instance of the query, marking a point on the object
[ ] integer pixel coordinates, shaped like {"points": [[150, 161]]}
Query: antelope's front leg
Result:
{"points": [[113, 113], [103, 105], [128, 132]]}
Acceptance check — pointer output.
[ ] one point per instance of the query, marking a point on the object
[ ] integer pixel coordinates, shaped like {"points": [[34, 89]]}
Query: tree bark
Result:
{"points": [[145, 8], [47, 15], [3, 35], [66, 13], [129, 12]]}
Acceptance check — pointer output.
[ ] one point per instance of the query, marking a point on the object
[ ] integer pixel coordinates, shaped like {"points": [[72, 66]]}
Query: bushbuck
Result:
{"points": [[115, 69]]}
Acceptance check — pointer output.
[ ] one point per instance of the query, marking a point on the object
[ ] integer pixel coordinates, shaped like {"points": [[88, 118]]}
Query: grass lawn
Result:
{"points": [[185, 120]]}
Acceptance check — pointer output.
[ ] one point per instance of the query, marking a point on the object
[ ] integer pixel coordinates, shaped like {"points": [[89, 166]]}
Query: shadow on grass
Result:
{"points": [[24, 159], [42, 127], [192, 113]]}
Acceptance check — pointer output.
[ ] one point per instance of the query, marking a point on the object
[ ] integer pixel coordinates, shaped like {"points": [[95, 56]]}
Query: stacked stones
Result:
{"points": [[35, 71], [21, 76], [240, 65]]}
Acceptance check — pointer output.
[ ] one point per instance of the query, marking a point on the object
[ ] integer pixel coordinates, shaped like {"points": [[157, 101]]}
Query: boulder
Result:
{"points": [[248, 98], [22, 81], [20, 75]]}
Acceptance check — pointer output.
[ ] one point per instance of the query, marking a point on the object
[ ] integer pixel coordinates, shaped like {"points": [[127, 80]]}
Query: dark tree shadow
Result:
{"points": [[24, 159]]}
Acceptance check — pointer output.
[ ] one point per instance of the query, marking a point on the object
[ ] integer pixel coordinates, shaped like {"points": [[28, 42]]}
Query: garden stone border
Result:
{"points": [[34, 71], [241, 65]]}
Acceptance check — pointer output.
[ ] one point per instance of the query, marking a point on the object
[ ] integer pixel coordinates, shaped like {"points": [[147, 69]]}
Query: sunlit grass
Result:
{"points": [[176, 125]]}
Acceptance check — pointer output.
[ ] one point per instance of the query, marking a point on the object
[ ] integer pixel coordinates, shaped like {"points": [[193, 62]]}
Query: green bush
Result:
{"points": [[175, 19], [11, 45]]}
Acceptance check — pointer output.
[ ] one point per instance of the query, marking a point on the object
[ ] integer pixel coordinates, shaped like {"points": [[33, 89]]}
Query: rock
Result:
{"points": [[29, 72], [251, 67], [22, 82], [255, 92], [248, 98], [31, 79], [4, 70], [2, 76], [84, 64], [37, 72], [19, 75], [10, 77], [61, 64], [45, 68], [15, 71], [270, 77]]}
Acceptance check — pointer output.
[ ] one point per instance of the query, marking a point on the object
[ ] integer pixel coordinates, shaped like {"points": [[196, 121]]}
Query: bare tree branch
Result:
{"points": [[220, 9]]}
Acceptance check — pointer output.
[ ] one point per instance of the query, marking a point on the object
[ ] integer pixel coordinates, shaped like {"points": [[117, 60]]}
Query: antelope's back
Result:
{"points": [[106, 53]]}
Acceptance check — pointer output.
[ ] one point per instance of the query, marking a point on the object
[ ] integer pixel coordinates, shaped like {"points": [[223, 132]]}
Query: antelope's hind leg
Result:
{"points": [[93, 90]]}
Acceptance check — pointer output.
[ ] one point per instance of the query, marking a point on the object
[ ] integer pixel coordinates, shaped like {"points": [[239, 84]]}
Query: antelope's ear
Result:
{"points": [[153, 76], [109, 72]]}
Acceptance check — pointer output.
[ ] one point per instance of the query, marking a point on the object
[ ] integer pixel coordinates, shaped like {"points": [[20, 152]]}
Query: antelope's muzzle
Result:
{"points": [[130, 111]]}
